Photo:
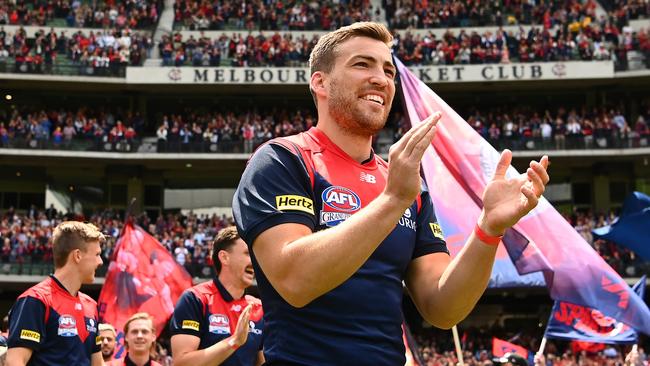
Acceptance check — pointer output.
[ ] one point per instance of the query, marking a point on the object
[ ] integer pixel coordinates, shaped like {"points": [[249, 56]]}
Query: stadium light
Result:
{"points": [[8, 97]]}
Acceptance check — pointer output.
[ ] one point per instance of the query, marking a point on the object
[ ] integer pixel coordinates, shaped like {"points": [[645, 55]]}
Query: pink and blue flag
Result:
{"points": [[543, 248], [574, 322]]}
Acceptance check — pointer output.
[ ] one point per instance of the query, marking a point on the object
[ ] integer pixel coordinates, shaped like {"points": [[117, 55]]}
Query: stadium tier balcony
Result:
{"points": [[268, 15], [458, 47], [93, 53], [516, 128], [120, 14], [403, 14]]}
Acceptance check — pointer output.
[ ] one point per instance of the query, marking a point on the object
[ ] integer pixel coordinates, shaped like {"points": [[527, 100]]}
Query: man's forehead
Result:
{"points": [[364, 46]]}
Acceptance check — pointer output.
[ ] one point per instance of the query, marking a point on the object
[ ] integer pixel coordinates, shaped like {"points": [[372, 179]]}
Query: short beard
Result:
{"points": [[343, 108]]}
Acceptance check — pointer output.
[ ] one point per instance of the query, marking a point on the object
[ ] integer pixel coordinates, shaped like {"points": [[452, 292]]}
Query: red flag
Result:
{"points": [[590, 347], [142, 277], [501, 347]]}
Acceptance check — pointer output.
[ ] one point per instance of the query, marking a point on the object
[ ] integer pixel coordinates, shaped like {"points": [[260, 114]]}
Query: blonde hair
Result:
{"points": [[105, 326], [141, 316], [72, 235]]}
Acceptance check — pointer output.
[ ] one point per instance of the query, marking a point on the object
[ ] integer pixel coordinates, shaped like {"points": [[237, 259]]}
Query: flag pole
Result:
{"points": [[542, 345], [459, 352]]}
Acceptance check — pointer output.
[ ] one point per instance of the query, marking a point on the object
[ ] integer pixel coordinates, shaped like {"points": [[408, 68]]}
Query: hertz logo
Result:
{"points": [[437, 231], [190, 324], [30, 335], [98, 340], [292, 202]]}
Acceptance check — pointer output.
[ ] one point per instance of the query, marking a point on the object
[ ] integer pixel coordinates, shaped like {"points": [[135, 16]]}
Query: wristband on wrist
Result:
{"points": [[486, 238], [232, 344]]}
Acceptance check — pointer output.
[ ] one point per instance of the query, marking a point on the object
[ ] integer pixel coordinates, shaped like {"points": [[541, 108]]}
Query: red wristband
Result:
{"points": [[232, 344], [487, 239]]}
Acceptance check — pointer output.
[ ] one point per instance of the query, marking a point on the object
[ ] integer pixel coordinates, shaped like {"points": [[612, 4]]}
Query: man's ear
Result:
{"points": [[223, 257], [317, 83], [75, 256]]}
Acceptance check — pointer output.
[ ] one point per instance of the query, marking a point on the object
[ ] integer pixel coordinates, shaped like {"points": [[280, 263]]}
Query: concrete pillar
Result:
{"points": [[601, 193]]}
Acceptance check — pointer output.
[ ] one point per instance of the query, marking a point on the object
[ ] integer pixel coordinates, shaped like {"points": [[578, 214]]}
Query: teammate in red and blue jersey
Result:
{"points": [[333, 230], [215, 323], [53, 323]]}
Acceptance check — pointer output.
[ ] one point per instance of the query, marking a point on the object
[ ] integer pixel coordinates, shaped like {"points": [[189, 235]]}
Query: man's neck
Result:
{"points": [[236, 291], [358, 147], [138, 359], [69, 279]]}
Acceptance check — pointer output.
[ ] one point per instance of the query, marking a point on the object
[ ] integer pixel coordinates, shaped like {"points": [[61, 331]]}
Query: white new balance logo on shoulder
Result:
{"points": [[368, 178]]}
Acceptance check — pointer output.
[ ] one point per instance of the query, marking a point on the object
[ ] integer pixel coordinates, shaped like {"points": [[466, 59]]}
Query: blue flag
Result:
{"points": [[631, 229], [574, 322]]}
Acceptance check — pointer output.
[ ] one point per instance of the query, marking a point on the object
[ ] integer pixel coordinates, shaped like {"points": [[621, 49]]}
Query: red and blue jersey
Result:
{"points": [[59, 328], [307, 179], [209, 312]]}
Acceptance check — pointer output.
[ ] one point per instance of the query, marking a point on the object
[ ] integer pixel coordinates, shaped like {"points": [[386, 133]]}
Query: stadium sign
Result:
{"points": [[428, 74]]}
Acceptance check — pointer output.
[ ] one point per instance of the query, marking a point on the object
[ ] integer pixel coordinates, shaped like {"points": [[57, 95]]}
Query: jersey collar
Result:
{"points": [[222, 290], [128, 362], [60, 285], [321, 137]]}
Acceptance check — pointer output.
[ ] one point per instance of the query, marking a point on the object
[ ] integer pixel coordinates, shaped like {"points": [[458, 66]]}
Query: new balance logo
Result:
{"points": [[368, 178]]}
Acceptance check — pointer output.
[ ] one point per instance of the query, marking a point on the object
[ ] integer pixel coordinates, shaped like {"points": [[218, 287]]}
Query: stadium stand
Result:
{"points": [[100, 14], [269, 15], [26, 248], [522, 127]]}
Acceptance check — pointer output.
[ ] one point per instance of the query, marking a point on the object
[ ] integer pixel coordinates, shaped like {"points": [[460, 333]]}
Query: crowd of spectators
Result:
{"points": [[270, 15], [107, 53], [104, 53], [536, 45], [472, 13], [24, 236], [120, 14], [98, 129], [461, 47], [622, 11], [526, 127], [436, 348], [230, 132], [519, 127], [237, 50]]}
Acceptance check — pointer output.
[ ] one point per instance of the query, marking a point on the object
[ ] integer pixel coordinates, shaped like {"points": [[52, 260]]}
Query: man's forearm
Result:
{"points": [[463, 282], [312, 265], [213, 355]]}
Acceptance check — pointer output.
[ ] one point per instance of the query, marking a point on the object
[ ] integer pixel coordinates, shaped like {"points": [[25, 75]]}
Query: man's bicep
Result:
{"points": [[423, 277], [269, 247]]}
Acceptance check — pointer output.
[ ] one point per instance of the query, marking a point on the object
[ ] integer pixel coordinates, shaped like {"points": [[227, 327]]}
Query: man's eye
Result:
{"points": [[362, 64]]}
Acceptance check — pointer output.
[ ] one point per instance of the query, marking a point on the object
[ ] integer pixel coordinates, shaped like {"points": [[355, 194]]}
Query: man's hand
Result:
{"points": [[540, 360], [241, 331], [633, 358], [505, 201], [404, 182]]}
